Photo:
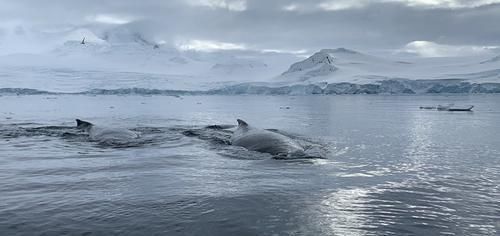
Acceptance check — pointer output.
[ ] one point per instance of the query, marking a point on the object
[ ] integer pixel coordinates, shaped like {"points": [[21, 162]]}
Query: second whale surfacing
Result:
{"points": [[106, 135], [260, 140]]}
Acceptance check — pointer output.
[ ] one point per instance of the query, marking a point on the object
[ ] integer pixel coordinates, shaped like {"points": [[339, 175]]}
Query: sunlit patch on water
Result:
{"points": [[405, 207], [341, 212]]}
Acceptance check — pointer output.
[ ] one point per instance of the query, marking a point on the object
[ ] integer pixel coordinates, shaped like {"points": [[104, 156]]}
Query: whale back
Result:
{"points": [[263, 140], [112, 134], [106, 135]]}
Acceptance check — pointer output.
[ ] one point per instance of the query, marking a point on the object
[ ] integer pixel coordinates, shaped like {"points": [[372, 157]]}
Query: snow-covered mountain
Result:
{"points": [[121, 49], [82, 35], [123, 60], [339, 65], [319, 64], [345, 71], [344, 65], [125, 52]]}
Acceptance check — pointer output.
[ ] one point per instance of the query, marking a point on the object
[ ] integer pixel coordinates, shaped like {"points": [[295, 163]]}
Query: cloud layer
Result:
{"points": [[286, 25]]}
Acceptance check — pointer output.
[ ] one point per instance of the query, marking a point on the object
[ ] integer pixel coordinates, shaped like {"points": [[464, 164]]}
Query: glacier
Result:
{"points": [[396, 86]]}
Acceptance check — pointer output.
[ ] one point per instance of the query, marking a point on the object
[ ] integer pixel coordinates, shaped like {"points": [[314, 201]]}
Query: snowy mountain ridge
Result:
{"points": [[319, 64], [348, 66]]}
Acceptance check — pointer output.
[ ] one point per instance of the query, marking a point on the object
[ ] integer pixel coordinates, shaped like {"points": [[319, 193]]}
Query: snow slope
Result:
{"points": [[117, 54], [344, 65]]}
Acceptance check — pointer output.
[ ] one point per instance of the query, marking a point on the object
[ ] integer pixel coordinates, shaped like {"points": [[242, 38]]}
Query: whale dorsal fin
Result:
{"points": [[242, 123], [82, 124]]}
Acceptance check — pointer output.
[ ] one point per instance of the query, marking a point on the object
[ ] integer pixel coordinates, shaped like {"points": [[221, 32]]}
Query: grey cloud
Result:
{"points": [[264, 24]]}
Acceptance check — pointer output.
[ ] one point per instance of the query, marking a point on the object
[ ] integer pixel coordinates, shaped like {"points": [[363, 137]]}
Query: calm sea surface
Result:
{"points": [[389, 168]]}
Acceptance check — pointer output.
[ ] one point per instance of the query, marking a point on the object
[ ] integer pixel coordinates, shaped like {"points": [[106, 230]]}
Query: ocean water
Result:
{"points": [[388, 168]]}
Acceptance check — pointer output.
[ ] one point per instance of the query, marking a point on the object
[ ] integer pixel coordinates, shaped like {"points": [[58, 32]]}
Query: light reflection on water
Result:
{"points": [[390, 168], [343, 207]]}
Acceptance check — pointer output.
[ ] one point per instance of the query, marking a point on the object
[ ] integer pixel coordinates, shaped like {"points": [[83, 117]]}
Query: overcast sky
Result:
{"points": [[438, 26]]}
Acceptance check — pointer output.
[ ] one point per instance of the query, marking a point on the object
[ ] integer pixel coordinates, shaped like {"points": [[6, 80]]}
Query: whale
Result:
{"points": [[106, 135], [266, 141]]}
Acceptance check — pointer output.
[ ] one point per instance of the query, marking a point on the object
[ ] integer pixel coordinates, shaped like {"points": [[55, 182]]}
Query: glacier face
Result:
{"points": [[392, 86], [396, 86]]}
